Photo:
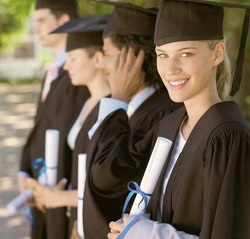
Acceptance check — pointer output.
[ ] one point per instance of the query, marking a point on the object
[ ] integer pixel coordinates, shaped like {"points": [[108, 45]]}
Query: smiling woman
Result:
{"points": [[184, 75], [204, 187]]}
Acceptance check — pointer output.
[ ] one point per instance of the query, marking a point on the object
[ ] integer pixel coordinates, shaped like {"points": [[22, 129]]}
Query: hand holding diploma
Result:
{"points": [[46, 197], [148, 183], [152, 173], [18, 202]]}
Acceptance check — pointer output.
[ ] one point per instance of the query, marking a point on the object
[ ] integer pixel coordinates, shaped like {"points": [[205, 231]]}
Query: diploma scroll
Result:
{"points": [[152, 172], [81, 185], [18, 202], [51, 156]]}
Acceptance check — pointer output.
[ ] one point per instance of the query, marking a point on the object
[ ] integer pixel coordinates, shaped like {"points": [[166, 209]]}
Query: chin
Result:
{"points": [[176, 99], [74, 82]]}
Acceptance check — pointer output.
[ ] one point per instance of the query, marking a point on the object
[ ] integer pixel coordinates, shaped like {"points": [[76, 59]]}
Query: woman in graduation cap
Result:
{"points": [[84, 64], [203, 190]]}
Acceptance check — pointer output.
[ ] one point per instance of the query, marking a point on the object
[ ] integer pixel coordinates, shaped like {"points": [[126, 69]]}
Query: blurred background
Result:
{"points": [[22, 62]]}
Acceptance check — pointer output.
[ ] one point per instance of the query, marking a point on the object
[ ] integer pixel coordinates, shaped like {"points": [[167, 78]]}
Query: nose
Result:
{"points": [[103, 64], [169, 66], [172, 66], [65, 66], [35, 29], [35, 26]]}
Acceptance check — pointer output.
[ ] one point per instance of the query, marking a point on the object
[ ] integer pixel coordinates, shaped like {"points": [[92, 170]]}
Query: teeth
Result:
{"points": [[176, 83]]}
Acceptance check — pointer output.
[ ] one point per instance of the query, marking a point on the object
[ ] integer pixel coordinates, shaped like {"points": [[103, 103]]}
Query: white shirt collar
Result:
{"points": [[139, 99], [60, 58]]}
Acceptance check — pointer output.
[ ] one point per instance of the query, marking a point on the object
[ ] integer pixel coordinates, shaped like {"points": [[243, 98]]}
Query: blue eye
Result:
{"points": [[162, 55], [186, 54]]}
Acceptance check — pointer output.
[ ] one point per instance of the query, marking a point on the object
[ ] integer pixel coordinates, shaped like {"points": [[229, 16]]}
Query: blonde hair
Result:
{"points": [[223, 75]]}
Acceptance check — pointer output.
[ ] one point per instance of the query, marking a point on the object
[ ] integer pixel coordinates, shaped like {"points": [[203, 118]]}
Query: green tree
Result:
{"points": [[13, 19]]}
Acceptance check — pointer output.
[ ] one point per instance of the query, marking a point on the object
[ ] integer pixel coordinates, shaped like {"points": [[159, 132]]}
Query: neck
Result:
{"points": [[194, 113]]}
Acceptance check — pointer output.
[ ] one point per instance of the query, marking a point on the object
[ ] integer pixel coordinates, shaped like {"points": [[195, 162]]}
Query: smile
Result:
{"points": [[177, 83]]}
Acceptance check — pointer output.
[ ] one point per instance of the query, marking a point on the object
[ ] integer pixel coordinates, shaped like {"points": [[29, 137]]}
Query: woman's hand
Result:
{"points": [[46, 197], [126, 76], [117, 227]]}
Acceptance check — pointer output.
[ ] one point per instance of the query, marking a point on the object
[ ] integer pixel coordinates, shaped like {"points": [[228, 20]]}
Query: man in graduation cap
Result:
{"points": [[58, 104], [138, 102], [203, 190]]}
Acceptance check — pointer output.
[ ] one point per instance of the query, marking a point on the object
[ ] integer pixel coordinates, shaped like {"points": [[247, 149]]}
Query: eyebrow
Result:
{"points": [[182, 49]]}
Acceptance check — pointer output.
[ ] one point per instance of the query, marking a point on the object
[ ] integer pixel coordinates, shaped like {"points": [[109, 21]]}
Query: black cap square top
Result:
{"points": [[83, 32], [130, 19]]}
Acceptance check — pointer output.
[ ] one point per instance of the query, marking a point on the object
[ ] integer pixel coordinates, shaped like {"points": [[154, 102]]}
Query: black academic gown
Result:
{"points": [[63, 102], [81, 145], [111, 165], [208, 192]]}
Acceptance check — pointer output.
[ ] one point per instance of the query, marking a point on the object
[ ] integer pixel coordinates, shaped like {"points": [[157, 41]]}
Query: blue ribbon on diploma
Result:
{"points": [[144, 199], [39, 163]]}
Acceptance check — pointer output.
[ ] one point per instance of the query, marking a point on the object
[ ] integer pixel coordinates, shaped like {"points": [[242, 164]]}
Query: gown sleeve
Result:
{"points": [[148, 229], [227, 183], [120, 156]]}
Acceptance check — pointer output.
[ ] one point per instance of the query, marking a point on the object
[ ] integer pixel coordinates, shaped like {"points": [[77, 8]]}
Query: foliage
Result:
{"points": [[13, 17]]}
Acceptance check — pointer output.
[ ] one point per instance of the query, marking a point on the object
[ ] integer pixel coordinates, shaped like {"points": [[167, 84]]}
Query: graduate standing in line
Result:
{"points": [[58, 104], [85, 66], [203, 190], [138, 102]]}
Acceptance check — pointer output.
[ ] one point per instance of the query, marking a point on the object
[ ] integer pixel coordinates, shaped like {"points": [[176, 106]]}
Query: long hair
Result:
{"points": [[223, 74]]}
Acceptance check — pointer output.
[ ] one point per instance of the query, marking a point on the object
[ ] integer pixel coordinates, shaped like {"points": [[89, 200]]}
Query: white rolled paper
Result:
{"points": [[81, 185], [51, 156], [42, 178], [152, 172], [18, 202]]}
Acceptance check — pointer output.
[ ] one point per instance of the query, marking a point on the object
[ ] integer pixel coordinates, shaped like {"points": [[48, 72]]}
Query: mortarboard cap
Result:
{"points": [[64, 5], [130, 19], [83, 32], [187, 20]]}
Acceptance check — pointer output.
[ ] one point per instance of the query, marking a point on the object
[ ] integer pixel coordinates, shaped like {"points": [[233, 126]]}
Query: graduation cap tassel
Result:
{"points": [[240, 59]]}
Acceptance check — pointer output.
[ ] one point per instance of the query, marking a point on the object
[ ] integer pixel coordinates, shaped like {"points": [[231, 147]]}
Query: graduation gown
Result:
{"points": [[208, 192], [73, 101], [112, 161], [63, 102], [81, 145]]}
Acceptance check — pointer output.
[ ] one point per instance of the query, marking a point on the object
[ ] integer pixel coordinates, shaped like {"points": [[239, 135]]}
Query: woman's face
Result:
{"points": [[80, 67], [187, 69]]}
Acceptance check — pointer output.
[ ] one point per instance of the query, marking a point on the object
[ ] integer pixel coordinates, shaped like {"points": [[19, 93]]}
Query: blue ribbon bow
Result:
{"points": [[144, 199], [39, 163]]}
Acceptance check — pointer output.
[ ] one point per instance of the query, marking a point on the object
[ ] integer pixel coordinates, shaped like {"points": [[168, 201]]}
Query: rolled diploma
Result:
{"points": [[18, 202], [152, 172], [81, 185], [51, 156]]}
